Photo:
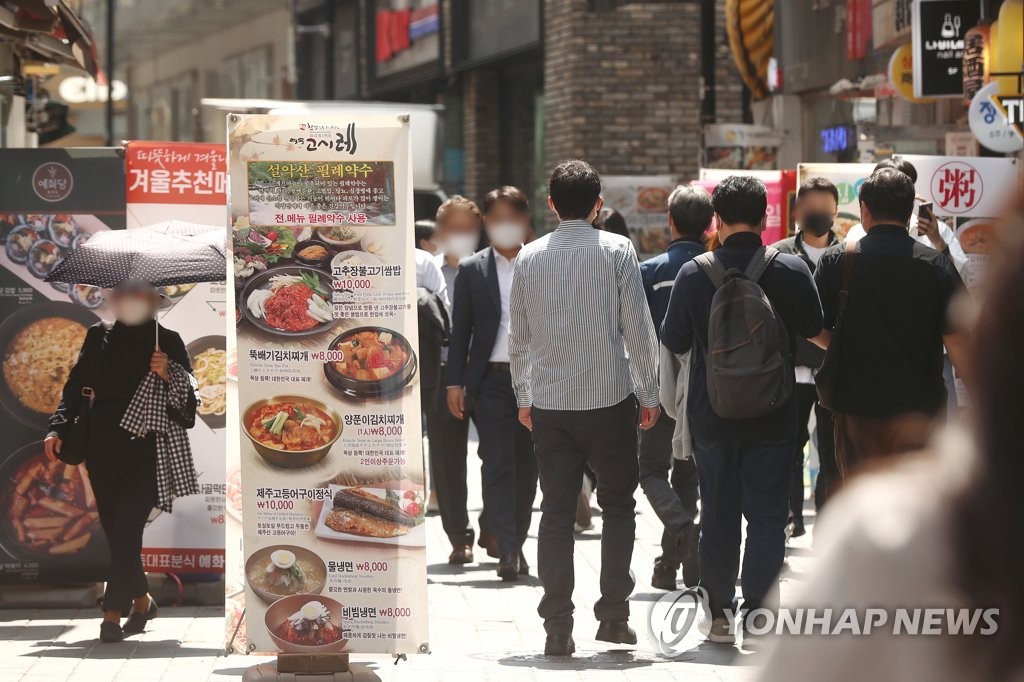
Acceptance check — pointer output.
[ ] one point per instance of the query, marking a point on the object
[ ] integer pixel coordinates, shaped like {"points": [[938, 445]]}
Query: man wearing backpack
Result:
{"points": [[741, 309]]}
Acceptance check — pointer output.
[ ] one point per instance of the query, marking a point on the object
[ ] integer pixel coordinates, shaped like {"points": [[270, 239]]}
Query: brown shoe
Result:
{"points": [[461, 554]]}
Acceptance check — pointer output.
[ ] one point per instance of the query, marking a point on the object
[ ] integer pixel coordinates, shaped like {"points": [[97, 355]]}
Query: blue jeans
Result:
{"points": [[741, 477]]}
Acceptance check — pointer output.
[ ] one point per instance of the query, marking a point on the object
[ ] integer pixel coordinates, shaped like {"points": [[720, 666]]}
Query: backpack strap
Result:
{"points": [[760, 263], [711, 266]]}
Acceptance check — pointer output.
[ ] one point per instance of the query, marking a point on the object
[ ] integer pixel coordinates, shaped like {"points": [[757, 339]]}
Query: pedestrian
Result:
{"points": [[816, 209], [458, 233], [130, 473], [741, 407], [890, 392], [674, 500], [934, 532], [479, 378], [610, 220], [424, 231], [577, 308]]}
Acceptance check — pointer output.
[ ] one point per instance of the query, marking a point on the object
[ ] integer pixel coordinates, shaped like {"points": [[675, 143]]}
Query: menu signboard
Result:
{"points": [[332, 480]]}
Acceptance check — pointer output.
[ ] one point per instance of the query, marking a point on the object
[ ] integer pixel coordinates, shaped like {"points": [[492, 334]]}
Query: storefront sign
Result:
{"points": [[977, 44], [940, 28], [989, 122], [890, 22], [779, 187], [901, 74], [838, 139], [51, 200], [187, 181], [858, 28], [737, 145], [407, 35], [332, 480]]}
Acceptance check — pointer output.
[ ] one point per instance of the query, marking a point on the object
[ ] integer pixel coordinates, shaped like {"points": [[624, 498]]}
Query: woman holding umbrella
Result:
{"points": [[137, 455]]}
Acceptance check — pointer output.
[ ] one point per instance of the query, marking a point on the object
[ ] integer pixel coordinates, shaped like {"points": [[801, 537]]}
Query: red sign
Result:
{"points": [[858, 28], [957, 187], [392, 33], [176, 173]]}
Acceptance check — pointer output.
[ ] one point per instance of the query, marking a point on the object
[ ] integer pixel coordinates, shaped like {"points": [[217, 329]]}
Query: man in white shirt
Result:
{"points": [[479, 377], [430, 277]]}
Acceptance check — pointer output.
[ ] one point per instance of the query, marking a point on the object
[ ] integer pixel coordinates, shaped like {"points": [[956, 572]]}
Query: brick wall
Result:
{"points": [[480, 121], [728, 85], [622, 86]]}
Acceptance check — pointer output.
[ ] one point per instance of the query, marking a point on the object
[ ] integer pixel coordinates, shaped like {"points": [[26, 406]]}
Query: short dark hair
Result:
{"points": [[513, 196], [691, 210], [574, 187], [889, 195], [610, 220], [900, 164], [823, 185], [424, 230], [741, 199]]}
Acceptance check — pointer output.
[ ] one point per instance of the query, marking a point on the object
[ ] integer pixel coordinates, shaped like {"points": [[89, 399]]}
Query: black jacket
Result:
{"points": [[476, 316], [807, 354]]}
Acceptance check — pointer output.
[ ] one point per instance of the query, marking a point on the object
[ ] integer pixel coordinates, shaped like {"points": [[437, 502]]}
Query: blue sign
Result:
{"points": [[837, 139]]}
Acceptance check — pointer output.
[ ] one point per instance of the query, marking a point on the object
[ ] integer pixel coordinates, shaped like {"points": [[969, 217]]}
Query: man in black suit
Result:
{"points": [[479, 376]]}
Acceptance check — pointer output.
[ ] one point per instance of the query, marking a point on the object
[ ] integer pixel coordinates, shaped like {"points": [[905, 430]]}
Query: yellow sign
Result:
{"points": [[901, 74]]}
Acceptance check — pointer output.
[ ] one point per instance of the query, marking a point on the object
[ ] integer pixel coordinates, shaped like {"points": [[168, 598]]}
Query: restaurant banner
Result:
{"points": [[188, 182], [779, 186], [51, 201], [332, 478], [643, 202]]}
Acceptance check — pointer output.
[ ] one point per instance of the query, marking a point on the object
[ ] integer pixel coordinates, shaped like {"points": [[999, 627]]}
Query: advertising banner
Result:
{"points": [[332, 480], [643, 202], [776, 225], [188, 182], [739, 145], [51, 201], [939, 29]]}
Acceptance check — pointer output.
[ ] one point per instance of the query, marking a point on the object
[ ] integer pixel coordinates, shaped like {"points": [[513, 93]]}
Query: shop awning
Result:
{"points": [[750, 25], [49, 31]]}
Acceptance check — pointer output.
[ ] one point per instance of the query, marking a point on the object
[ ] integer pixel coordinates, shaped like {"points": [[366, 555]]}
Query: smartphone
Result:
{"points": [[925, 211]]}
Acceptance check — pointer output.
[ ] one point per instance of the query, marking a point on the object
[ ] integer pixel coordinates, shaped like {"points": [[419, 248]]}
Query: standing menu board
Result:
{"points": [[332, 479]]}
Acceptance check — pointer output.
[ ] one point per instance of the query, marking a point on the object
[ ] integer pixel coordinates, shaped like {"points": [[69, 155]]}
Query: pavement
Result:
{"points": [[482, 630]]}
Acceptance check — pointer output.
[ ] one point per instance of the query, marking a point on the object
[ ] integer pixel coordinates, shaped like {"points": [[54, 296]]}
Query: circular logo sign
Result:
{"points": [[990, 125], [52, 181], [956, 187]]}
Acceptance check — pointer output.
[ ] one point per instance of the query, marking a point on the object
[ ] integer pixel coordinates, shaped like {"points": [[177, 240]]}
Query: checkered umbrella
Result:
{"points": [[169, 253]]}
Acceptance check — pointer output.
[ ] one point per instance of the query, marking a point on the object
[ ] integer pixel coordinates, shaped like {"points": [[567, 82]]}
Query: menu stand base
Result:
{"points": [[310, 668]]}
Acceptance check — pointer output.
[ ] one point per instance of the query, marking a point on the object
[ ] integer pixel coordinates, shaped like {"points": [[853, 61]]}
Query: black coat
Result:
{"points": [[807, 354], [476, 316]]}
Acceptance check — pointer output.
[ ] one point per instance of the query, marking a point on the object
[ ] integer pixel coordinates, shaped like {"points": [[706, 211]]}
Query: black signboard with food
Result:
{"points": [[51, 202]]}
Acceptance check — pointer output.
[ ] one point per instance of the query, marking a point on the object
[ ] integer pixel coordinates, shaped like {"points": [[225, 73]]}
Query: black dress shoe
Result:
{"points": [[559, 645], [664, 577], [461, 554], [111, 632], [137, 621], [524, 568], [508, 567], [616, 632], [490, 543], [798, 528]]}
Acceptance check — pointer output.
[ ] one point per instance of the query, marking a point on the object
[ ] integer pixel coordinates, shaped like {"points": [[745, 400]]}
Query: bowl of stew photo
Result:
{"points": [[291, 431], [370, 362], [312, 253]]}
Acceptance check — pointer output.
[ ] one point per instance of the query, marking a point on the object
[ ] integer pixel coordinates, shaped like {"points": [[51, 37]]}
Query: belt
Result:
{"points": [[500, 366]]}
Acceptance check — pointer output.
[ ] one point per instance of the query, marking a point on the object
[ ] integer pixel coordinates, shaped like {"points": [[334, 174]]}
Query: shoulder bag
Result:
{"points": [[75, 443]]}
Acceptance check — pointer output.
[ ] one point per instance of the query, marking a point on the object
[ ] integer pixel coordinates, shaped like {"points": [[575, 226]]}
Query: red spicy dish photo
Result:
{"points": [[289, 301]]}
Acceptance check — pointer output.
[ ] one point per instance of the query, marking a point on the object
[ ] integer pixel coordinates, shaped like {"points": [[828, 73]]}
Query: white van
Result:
{"points": [[424, 120]]}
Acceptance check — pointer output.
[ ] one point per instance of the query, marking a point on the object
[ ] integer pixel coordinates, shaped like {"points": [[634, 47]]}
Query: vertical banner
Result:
{"points": [[51, 201], [188, 182], [332, 479]]}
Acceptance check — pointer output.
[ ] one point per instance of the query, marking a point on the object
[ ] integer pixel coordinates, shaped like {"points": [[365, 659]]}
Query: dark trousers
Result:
{"points": [[742, 478], [828, 470], [674, 499], [509, 471], [565, 441], [448, 438], [862, 442], [125, 495]]}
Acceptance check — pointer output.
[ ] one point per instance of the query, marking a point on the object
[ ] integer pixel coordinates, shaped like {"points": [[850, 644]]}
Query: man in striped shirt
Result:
{"points": [[584, 367]]}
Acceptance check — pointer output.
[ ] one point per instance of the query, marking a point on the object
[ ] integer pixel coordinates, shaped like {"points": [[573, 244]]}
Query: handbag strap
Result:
{"points": [[844, 287], [94, 356]]}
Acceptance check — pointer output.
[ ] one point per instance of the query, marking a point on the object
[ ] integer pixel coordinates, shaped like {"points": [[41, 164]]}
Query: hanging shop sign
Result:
{"points": [[187, 181], [977, 45], [901, 74], [890, 22], [332, 479], [990, 123], [51, 201], [939, 29]]}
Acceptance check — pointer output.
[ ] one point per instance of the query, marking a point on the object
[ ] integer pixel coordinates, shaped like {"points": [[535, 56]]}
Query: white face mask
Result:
{"points": [[133, 311], [460, 245], [506, 235]]}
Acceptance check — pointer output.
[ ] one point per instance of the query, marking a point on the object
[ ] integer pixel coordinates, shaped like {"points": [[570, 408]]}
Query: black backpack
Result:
{"points": [[435, 328], [749, 358]]}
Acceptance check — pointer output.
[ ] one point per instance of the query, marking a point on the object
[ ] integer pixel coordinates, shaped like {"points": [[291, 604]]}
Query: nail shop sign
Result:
{"points": [[939, 27]]}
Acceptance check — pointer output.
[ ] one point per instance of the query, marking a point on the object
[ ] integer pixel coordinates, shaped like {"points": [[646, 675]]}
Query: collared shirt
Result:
{"points": [[891, 352], [576, 308], [659, 274], [504, 268], [789, 287], [449, 273], [956, 252], [429, 277]]}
